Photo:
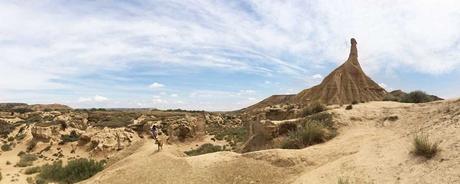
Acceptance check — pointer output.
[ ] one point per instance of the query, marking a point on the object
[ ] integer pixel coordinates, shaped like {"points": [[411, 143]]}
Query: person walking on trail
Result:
{"points": [[154, 131]]}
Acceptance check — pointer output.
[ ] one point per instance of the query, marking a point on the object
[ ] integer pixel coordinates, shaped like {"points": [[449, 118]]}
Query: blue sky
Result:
{"points": [[218, 55]]}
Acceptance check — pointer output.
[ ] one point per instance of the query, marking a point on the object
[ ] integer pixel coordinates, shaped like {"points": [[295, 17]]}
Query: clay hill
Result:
{"points": [[345, 84]]}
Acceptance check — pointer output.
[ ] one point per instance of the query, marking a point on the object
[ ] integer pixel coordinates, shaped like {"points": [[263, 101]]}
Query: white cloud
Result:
{"points": [[53, 45], [158, 100], [96, 98], [317, 76], [156, 85], [174, 95]]}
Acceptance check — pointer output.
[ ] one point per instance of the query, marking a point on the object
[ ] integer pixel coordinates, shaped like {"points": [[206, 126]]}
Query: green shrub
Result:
{"points": [[112, 119], [10, 139], [232, 134], [32, 170], [349, 107], [416, 97], [203, 149], [343, 181], [21, 110], [33, 118], [75, 170], [26, 160], [287, 127], [313, 109], [20, 136], [72, 137], [323, 118], [312, 133], [6, 147], [424, 147], [390, 97], [31, 145], [5, 128]]}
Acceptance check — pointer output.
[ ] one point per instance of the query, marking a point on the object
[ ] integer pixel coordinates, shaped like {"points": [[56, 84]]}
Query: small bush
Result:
{"points": [[349, 107], [232, 134], [287, 127], [323, 118], [203, 149], [6, 147], [26, 160], [313, 109], [390, 97], [354, 102], [32, 170], [5, 128], [10, 139], [416, 97], [312, 133], [424, 147], [20, 136], [75, 170], [31, 145], [343, 181], [72, 137]]}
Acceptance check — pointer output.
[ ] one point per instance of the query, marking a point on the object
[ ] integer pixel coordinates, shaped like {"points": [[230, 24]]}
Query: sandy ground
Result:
{"points": [[368, 149]]}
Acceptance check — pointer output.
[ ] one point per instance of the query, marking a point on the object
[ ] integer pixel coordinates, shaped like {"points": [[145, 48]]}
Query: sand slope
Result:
{"points": [[369, 149]]}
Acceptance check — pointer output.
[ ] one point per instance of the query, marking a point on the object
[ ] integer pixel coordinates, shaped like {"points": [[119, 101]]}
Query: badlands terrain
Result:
{"points": [[347, 129]]}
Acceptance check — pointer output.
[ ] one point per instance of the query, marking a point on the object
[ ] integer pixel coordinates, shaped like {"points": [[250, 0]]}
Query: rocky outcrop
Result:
{"points": [[44, 134], [109, 139]]}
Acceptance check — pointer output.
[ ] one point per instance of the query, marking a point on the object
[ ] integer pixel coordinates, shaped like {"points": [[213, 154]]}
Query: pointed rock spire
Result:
{"points": [[353, 50]]}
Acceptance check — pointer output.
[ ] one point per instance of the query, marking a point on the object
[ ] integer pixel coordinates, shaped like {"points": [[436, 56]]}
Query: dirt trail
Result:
{"points": [[368, 149]]}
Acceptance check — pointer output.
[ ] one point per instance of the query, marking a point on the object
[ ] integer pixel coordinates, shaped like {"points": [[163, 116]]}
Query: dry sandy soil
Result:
{"points": [[368, 149]]}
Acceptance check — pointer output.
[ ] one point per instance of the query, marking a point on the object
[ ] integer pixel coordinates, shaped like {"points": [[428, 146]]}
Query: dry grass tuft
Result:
{"points": [[424, 147]]}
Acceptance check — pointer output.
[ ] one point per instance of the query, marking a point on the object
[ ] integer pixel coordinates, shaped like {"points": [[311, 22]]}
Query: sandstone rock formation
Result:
{"points": [[346, 84]]}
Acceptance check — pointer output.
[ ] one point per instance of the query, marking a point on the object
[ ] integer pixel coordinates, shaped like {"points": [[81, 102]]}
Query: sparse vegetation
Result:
{"points": [[323, 118], [5, 128], [20, 136], [313, 109], [6, 147], [232, 134], [342, 180], [72, 137], [424, 147], [32, 170], [204, 149], [31, 145], [75, 171], [354, 102], [311, 133], [33, 118], [112, 119], [26, 160], [10, 139], [416, 97], [349, 107]]}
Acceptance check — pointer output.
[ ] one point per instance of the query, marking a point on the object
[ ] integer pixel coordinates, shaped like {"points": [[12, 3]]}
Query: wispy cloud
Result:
{"points": [[118, 47], [156, 85]]}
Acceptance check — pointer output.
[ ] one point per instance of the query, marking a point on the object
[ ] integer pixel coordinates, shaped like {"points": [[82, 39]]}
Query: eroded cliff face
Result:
{"points": [[345, 84]]}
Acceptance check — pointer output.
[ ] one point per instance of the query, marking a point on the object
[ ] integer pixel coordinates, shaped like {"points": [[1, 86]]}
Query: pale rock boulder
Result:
{"points": [[110, 139]]}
